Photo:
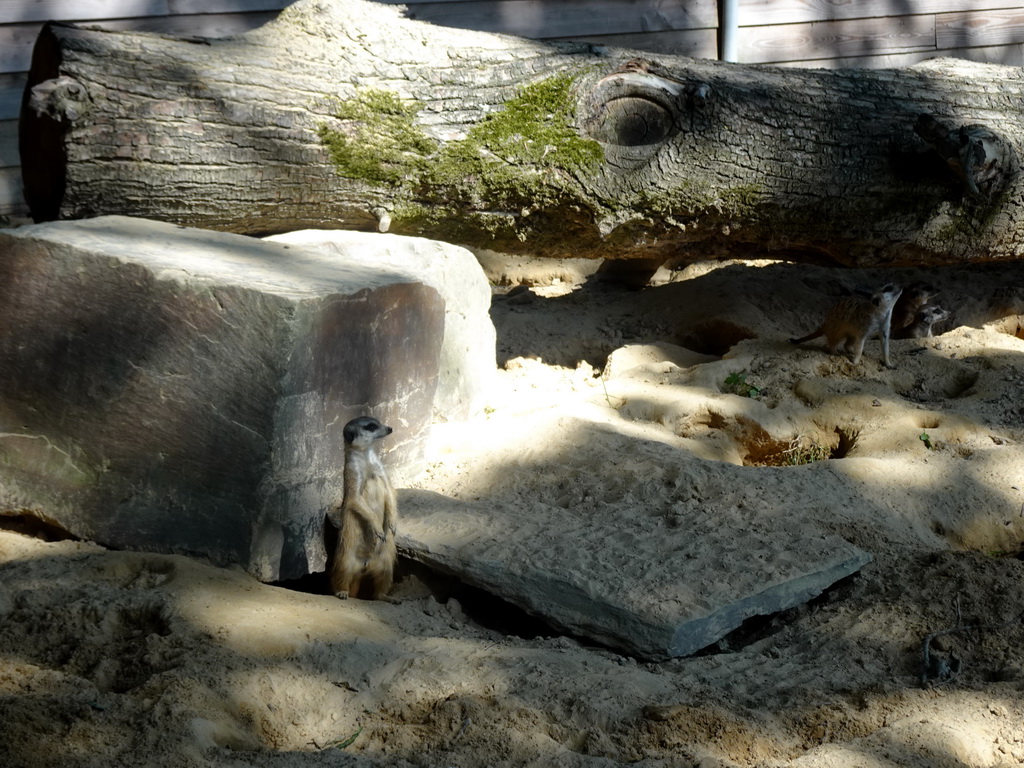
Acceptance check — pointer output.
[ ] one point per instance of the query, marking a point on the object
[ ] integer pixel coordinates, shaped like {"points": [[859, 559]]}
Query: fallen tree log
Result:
{"points": [[347, 115]]}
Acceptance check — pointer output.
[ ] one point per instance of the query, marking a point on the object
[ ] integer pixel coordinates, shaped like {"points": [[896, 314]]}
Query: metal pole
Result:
{"points": [[728, 25]]}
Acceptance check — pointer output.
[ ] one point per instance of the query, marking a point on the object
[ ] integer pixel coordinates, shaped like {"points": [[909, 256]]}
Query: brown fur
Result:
{"points": [[910, 302], [925, 320], [363, 562], [855, 319]]}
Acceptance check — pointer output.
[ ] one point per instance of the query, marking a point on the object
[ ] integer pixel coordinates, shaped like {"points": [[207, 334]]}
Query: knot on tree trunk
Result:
{"points": [[63, 99], [982, 159], [635, 110]]}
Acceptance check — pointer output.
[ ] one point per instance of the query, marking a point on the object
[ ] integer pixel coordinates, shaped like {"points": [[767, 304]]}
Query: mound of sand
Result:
{"points": [[129, 658]]}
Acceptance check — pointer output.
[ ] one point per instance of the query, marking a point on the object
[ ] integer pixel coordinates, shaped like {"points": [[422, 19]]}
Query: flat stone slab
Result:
{"points": [[629, 582], [180, 390]]}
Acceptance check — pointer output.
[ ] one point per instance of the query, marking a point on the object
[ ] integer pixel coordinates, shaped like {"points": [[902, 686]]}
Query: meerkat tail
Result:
{"points": [[808, 337]]}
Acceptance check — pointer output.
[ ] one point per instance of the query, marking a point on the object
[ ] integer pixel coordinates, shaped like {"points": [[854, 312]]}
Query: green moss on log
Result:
{"points": [[690, 199], [382, 143], [526, 155], [536, 128]]}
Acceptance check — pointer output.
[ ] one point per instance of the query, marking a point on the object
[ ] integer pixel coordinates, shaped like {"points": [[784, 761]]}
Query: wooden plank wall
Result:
{"points": [[817, 33], [879, 33]]}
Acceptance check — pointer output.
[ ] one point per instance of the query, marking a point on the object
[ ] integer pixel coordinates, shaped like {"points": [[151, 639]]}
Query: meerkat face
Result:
{"points": [[362, 431], [922, 293], [934, 314], [886, 295]]}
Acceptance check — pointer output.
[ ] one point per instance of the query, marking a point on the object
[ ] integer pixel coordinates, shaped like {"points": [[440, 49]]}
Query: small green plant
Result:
{"points": [[925, 438], [608, 398], [800, 453], [737, 384], [342, 743]]}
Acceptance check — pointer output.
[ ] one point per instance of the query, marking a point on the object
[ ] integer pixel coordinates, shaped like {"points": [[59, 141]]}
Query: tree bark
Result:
{"points": [[347, 115]]}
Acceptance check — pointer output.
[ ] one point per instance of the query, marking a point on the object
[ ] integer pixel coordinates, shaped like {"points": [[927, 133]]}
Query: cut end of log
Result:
{"points": [[49, 105]]}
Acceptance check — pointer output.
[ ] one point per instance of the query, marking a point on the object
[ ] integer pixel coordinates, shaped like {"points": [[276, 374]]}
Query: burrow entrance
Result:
{"points": [[479, 606], [36, 525], [761, 450]]}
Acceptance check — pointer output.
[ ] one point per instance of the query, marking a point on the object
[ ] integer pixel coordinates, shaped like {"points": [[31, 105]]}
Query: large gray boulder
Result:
{"points": [[181, 390], [468, 346]]}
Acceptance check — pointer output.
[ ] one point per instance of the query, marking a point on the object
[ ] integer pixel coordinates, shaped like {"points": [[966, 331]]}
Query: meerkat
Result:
{"points": [[855, 319], [911, 301], [927, 317], [364, 556]]}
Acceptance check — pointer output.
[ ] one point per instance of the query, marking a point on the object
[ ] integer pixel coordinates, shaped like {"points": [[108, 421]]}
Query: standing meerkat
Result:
{"points": [[926, 318], [364, 557], [855, 319]]}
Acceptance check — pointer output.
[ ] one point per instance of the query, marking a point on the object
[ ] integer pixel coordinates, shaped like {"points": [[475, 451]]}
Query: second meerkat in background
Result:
{"points": [[924, 322], [363, 560], [905, 312], [853, 320]]}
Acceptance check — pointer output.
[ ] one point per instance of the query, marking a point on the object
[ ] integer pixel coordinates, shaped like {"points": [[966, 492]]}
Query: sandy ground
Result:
{"points": [[119, 658]]}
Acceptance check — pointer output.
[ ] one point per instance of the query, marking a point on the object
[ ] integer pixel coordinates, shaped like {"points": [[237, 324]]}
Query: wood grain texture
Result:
{"points": [[695, 43], [540, 19], [12, 201], [9, 144], [765, 12], [185, 7], [17, 40], [18, 11], [832, 39], [966, 30], [11, 88], [1007, 55]]}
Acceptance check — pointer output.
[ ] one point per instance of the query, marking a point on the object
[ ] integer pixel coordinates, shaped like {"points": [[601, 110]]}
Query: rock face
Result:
{"points": [[180, 390], [468, 346]]}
